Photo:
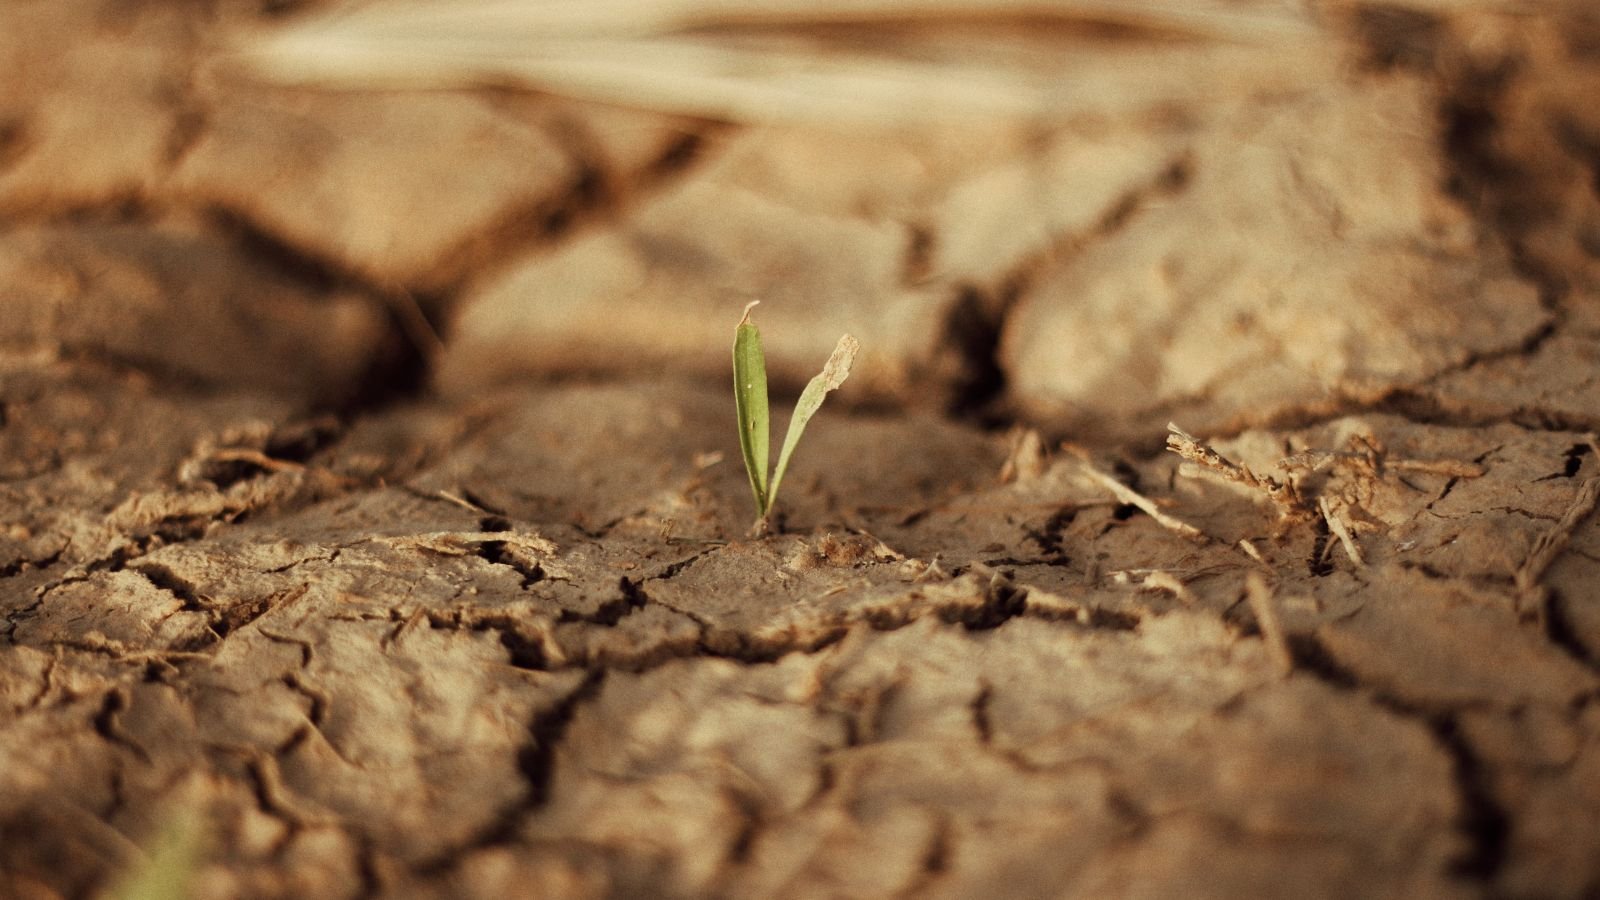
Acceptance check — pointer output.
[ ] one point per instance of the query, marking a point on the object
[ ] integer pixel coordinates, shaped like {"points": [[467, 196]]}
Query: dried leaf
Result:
{"points": [[708, 59]]}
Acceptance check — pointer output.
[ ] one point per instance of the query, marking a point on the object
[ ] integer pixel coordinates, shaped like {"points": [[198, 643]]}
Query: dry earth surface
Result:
{"points": [[395, 616]]}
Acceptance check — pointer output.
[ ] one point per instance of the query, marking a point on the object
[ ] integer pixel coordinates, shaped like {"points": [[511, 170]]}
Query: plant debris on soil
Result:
{"points": [[372, 515]]}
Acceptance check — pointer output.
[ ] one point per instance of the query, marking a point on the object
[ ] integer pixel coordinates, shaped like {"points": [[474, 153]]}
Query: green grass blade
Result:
{"points": [[168, 872], [833, 374], [750, 398]]}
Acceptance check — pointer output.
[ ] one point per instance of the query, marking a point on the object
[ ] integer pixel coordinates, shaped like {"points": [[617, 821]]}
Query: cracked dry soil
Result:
{"points": [[480, 620]]}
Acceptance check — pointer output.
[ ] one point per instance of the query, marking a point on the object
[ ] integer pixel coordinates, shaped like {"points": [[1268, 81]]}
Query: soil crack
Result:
{"points": [[106, 724], [1483, 822], [536, 761], [167, 580], [632, 598]]}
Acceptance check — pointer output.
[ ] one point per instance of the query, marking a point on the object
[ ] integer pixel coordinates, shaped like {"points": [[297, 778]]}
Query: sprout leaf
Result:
{"points": [[833, 374], [750, 399]]}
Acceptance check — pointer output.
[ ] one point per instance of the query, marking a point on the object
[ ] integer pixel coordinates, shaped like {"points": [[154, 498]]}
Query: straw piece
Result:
{"points": [[1190, 448], [1128, 495], [1337, 525], [1265, 607]]}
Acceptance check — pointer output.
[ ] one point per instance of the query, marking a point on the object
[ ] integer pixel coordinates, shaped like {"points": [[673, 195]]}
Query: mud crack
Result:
{"points": [[1483, 823], [968, 358], [631, 599], [536, 761]]}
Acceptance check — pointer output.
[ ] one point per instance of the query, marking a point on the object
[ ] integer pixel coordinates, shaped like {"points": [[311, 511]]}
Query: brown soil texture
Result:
{"points": [[370, 493]]}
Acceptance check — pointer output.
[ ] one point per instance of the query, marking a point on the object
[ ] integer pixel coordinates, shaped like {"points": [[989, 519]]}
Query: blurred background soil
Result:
{"points": [[370, 496]]}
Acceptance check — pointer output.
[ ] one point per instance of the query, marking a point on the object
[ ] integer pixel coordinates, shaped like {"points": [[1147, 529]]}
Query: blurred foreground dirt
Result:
{"points": [[369, 490]]}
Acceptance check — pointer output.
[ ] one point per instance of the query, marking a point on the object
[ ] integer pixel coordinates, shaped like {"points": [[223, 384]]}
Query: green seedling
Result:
{"points": [[750, 400], [167, 872]]}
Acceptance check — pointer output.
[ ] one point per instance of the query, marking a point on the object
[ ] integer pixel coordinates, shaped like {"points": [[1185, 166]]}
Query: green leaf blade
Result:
{"points": [[750, 400], [833, 374], [168, 870]]}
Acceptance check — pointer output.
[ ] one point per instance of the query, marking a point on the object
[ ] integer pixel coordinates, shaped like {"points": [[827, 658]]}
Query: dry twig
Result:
{"points": [[461, 543], [1336, 524], [1190, 448], [1128, 495], [1026, 458], [697, 58], [1552, 542], [1265, 607], [1316, 460], [254, 458], [1168, 582]]}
